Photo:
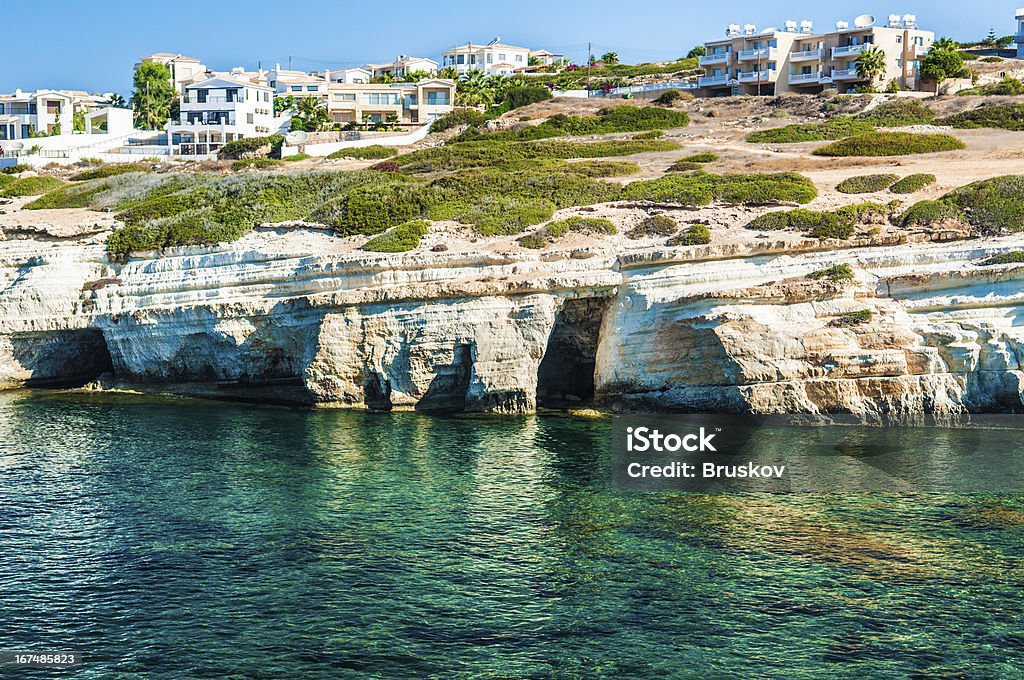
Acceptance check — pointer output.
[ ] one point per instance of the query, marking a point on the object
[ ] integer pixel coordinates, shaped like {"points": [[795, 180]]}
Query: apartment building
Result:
{"points": [[297, 83], [349, 76], [402, 66], [1019, 35], [23, 114], [798, 59], [493, 58], [217, 108], [183, 69], [405, 103]]}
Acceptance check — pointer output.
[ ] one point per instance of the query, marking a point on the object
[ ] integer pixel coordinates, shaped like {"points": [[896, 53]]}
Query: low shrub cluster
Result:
{"points": [[695, 235], [668, 98], [15, 169], [693, 162], [866, 184], [1008, 86], [5, 180], [375, 152], [704, 188], [257, 163], [1012, 257], [404, 237], [296, 157], [494, 215], [992, 206], [858, 318], [650, 134], [1002, 116], [890, 114], [239, 147], [912, 183], [109, 171], [837, 224], [456, 118], [31, 186], [623, 118], [655, 225], [559, 228], [837, 272], [890, 144], [517, 96]]}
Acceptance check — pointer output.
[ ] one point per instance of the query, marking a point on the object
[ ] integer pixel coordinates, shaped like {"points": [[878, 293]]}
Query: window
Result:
{"points": [[490, 57], [311, 88], [296, 88], [344, 97], [519, 57], [1, 108], [380, 99], [273, 83], [53, 107], [771, 66], [437, 98], [501, 57], [26, 131], [899, 40], [461, 59], [201, 96], [249, 118]]}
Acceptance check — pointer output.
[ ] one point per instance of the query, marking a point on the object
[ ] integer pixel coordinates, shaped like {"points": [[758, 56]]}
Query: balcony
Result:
{"points": [[709, 59], [758, 76], [763, 53], [712, 81], [845, 74], [211, 100], [847, 50], [921, 51], [805, 55], [804, 78]]}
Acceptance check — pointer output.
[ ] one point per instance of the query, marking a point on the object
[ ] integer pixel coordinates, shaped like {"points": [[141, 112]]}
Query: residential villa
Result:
{"points": [[493, 58], [354, 75], [23, 114], [297, 83], [183, 69], [773, 61], [402, 66], [1019, 35], [545, 58], [217, 108], [402, 103]]}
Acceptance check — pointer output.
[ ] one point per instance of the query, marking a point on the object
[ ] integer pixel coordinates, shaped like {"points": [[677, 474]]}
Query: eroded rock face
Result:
{"points": [[504, 332]]}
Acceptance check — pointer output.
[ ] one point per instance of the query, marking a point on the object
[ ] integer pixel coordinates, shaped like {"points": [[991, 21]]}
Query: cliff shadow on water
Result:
{"points": [[565, 378]]}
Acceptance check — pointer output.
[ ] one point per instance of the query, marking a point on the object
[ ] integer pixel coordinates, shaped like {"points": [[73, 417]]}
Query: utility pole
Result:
{"points": [[289, 63], [590, 61]]}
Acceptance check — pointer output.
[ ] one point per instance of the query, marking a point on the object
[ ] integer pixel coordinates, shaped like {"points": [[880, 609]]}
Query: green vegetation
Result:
{"points": [[890, 144], [559, 228], [650, 134], [701, 158], [858, 318], [694, 162], [992, 206], [494, 215], [912, 183], [110, 171], [668, 98], [655, 225], [1012, 257], [1008, 86], [942, 61], [456, 118], [517, 96], [296, 157], [5, 180], [837, 272], [866, 184], [250, 145], [154, 99], [890, 114], [399, 239], [15, 169], [256, 163], [1004, 116], [704, 188], [623, 118], [31, 186], [838, 224], [695, 235], [374, 152]]}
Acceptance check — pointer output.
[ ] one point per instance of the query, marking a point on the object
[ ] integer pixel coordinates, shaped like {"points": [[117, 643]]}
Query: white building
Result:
{"points": [[349, 76], [400, 103], [493, 58], [217, 108], [1019, 35], [545, 58], [183, 69], [24, 114], [402, 66], [297, 83]]}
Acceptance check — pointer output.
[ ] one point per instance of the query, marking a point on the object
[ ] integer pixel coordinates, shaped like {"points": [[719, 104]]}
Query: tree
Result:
{"points": [[990, 39], [475, 89], [153, 97], [448, 73], [534, 61], [698, 51], [310, 114], [117, 101], [871, 64], [946, 43], [610, 58], [415, 76], [78, 120], [282, 104], [940, 64]]}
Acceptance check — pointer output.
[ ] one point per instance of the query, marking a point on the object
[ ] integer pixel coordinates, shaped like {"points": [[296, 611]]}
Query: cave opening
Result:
{"points": [[565, 377], [64, 358]]}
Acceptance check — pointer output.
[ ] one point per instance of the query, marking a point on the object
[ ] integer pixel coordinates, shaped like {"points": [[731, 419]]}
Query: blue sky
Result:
{"points": [[92, 46]]}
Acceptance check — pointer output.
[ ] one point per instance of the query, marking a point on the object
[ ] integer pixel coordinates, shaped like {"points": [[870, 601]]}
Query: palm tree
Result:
{"points": [[871, 64], [313, 113], [945, 43], [117, 101], [610, 58], [474, 89]]}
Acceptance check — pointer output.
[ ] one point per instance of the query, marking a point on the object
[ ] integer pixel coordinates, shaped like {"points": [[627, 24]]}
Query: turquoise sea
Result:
{"points": [[170, 538]]}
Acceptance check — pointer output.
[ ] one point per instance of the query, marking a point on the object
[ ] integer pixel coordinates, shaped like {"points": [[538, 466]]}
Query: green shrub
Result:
{"points": [[858, 318], [707, 157], [912, 183], [655, 225], [109, 171], [992, 60], [836, 224], [899, 113], [375, 152], [668, 98], [495, 216], [837, 272], [993, 206], [704, 188], [399, 239], [70, 196], [371, 209], [1001, 116], [31, 186], [582, 225], [1008, 86], [456, 118], [239, 147], [258, 163], [650, 134], [517, 96], [780, 113], [696, 235], [15, 169], [866, 184], [889, 114], [622, 118], [685, 166], [890, 144], [533, 241], [296, 157], [5, 180], [1012, 257]]}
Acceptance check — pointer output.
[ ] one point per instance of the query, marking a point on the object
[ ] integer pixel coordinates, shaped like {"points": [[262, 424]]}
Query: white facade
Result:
{"points": [[493, 59], [222, 107], [297, 83], [23, 114], [402, 66], [1019, 35], [349, 76], [545, 58], [183, 69]]}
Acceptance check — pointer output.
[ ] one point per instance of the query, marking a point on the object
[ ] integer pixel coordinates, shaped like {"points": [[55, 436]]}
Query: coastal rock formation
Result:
{"points": [[692, 328]]}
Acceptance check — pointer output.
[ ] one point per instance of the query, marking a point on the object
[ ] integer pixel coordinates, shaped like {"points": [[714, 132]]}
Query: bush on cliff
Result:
{"points": [[623, 118], [704, 188], [655, 225], [374, 152], [1003, 116], [559, 228], [865, 184], [1012, 257], [399, 239], [109, 171], [912, 183], [695, 235], [890, 144], [836, 224], [31, 186], [992, 206]]}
